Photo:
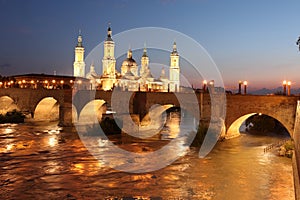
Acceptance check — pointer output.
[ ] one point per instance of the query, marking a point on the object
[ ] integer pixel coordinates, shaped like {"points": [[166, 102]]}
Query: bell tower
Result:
{"points": [[174, 70], [144, 63], [108, 78], [109, 61], [79, 64]]}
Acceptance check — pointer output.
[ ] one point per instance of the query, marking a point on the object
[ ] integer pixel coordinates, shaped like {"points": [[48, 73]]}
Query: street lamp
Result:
{"points": [[284, 87], [289, 83], [62, 84], [91, 83], [46, 84], [240, 87], [204, 85], [245, 87]]}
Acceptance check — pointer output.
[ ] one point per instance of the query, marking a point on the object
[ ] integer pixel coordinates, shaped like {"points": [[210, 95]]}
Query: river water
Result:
{"points": [[44, 161]]}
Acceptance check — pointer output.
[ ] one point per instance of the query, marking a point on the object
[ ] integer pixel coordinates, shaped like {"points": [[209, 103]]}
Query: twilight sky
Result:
{"points": [[250, 40]]}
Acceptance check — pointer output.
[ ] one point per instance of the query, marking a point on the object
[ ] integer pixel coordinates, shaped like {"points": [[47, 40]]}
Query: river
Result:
{"points": [[40, 160]]}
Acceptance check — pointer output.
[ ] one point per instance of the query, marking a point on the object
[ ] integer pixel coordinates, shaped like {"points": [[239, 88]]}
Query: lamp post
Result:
{"points": [[284, 87], [240, 87], [289, 88], [53, 84], [212, 86], [245, 87], [204, 85], [91, 84], [62, 84]]}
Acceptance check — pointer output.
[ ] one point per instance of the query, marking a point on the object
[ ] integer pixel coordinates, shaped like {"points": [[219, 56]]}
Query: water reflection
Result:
{"points": [[9, 147], [52, 141], [41, 166]]}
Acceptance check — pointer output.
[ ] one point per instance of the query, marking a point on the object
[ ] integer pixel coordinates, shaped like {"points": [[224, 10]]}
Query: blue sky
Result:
{"points": [[248, 40]]}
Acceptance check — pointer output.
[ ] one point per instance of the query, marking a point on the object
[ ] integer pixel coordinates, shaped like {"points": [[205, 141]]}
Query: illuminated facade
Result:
{"points": [[174, 70], [108, 78], [79, 64], [131, 78]]}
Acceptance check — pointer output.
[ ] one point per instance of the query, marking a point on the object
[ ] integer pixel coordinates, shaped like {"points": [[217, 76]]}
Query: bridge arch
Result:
{"points": [[92, 112], [233, 129], [7, 104], [153, 117], [74, 114], [47, 109]]}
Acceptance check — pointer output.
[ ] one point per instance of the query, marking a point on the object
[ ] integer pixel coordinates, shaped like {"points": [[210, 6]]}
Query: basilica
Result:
{"points": [[132, 77]]}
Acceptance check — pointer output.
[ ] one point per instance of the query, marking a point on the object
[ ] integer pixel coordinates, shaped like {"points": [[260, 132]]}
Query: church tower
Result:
{"points": [[144, 64], [174, 70], [79, 64], [109, 61]]}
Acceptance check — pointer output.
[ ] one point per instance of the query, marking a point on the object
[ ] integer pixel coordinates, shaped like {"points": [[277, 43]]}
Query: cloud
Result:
{"points": [[5, 65]]}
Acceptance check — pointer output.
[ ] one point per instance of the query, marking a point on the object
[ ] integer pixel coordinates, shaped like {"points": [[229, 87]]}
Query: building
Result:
{"points": [[79, 64], [131, 78]]}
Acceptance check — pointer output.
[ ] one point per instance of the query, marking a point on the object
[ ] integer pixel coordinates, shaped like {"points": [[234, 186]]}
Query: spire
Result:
{"points": [[109, 33], [174, 52], [163, 74], [145, 51], [79, 39], [174, 48], [129, 54]]}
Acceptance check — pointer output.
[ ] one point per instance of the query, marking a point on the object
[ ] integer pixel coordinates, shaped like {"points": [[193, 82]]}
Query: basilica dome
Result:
{"points": [[129, 62], [129, 65]]}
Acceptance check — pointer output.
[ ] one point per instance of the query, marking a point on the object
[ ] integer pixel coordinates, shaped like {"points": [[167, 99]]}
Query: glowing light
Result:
{"points": [[79, 82], [9, 147], [79, 167], [245, 83], [52, 141], [46, 81], [102, 143], [71, 81], [289, 83], [205, 82], [259, 114], [284, 82], [8, 83], [11, 82], [8, 130], [23, 81], [1, 83], [53, 81], [62, 82], [20, 82], [32, 81]]}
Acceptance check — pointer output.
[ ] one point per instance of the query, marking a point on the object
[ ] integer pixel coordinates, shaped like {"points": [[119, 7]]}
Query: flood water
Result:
{"points": [[44, 161]]}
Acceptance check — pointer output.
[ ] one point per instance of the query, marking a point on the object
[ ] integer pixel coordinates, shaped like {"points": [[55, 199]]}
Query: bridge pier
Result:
{"points": [[65, 115]]}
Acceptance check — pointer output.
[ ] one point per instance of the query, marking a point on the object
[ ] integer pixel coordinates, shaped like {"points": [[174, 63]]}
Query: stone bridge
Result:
{"points": [[70, 106]]}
